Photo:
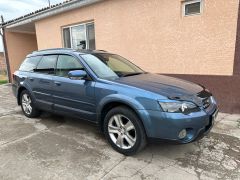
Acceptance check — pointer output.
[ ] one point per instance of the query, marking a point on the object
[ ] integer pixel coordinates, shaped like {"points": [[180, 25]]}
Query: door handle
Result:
{"points": [[31, 79], [57, 83], [44, 81]]}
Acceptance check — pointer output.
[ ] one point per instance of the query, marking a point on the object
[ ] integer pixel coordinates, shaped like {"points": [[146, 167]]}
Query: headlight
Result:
{"points": [[179, 107]]}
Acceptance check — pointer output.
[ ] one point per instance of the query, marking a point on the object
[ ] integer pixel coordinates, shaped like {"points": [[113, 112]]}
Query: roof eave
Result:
{"points": [[50, 12]]}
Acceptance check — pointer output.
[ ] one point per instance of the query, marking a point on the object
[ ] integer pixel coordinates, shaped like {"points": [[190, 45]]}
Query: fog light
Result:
{"points": [[182, 134]]}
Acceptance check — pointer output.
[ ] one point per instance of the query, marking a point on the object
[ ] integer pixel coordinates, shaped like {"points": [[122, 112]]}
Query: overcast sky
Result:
{"points": [[11, 9]]}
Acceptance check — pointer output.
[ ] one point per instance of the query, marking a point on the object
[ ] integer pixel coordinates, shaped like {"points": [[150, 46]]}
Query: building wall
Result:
{"points": [[224, 88], [155, 35], [2, 63], [18, 46]]}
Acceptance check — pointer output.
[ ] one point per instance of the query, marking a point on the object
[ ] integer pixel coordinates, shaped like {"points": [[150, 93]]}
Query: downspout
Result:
{"points": [[236, 67], [5, 50]]}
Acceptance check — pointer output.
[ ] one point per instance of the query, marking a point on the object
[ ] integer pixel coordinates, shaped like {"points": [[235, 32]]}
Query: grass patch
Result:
{"points": [[3, 79], [3, 82]]}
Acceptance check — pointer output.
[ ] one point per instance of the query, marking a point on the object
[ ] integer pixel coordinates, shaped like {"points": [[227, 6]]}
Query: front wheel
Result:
{"points": [[27, 105], [124, 131]]}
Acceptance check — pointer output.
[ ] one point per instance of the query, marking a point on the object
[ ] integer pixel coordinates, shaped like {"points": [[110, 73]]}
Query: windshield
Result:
{"points": [[111, 66]]}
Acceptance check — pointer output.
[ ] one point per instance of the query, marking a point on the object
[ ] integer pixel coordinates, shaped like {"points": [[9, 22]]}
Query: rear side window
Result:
{"points": [[30, 64], [47, 64]]}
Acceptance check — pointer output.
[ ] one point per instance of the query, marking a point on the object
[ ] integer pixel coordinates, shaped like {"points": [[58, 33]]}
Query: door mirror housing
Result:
{"points": [[77, 75]]}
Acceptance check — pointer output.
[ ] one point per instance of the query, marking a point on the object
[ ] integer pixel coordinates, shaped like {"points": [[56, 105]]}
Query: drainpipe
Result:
{"points": [[5, 50]]}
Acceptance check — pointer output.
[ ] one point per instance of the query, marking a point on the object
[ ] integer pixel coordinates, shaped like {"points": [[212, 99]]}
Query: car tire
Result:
{"points": [[124, 131], [27, 105]]}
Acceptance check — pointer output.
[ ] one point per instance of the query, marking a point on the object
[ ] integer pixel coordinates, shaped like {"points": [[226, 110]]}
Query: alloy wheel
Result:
{"points": [[122, 131], [26, 104]]}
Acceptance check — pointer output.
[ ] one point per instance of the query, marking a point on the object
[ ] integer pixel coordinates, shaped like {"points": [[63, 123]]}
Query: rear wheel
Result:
{"points": [[27, 105], [124, 131]]}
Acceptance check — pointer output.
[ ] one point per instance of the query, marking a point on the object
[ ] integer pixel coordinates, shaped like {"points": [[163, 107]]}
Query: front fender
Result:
{"points": [[121, 99], [138, 107]]}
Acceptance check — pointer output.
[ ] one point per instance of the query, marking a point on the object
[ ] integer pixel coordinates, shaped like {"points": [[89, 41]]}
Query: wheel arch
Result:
{"points": [[113, 104], [20, 90]]}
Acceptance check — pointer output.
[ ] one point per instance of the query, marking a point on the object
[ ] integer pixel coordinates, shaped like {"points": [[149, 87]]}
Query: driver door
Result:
{"points": [[76, 97]]}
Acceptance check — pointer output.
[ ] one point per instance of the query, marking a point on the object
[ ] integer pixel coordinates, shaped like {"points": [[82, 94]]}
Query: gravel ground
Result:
{"points": [[54, 147]]}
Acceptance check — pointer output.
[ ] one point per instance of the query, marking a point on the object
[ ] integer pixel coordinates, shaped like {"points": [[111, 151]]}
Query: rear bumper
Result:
{"points": [[167, 126], [14, 89]]}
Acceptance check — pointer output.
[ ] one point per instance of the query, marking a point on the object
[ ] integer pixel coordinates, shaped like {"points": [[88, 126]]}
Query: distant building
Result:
{"points": [[3, 67]]}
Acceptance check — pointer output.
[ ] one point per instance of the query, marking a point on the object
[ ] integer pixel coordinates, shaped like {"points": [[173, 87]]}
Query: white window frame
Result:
{"points": [[187, 2], [70, 28]]}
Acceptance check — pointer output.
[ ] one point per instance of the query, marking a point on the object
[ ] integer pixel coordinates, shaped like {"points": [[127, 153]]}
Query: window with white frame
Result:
{"points": [[80, 36], [192, 7]]}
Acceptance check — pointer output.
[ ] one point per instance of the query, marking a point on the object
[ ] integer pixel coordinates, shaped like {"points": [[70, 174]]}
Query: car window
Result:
{"points": [[67, 63], [117, 65], [29, 64], [47, 64], [111, 66], [99, 67]]}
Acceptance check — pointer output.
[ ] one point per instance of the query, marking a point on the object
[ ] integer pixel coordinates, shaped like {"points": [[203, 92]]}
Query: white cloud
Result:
{"points": [[11, 9]]}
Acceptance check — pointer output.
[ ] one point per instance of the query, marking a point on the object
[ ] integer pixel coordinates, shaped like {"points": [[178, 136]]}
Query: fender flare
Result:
{"points": [[117, 98], [28, 88], [121, 99]]}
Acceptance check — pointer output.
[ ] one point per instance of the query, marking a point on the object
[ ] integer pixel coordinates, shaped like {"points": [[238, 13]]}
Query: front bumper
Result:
{"points": [[167, 126]]}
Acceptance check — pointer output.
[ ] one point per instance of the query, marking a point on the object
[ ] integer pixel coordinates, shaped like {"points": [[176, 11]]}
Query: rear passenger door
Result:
{"points": [[77, 96], [41, 81]]}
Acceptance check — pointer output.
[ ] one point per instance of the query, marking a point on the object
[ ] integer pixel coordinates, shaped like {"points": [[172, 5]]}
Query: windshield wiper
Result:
{"points": [[132, 74]]}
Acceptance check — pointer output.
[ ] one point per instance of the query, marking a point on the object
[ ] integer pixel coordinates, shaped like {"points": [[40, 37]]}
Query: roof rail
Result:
{"points": [[54, 49], [101, 50]]}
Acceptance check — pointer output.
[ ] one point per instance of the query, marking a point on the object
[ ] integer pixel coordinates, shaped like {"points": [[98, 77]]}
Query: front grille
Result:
{"points": [[206, 102]]}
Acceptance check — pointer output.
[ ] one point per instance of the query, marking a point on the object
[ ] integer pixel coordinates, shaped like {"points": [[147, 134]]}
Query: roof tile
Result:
{"points": [[37, 11]]}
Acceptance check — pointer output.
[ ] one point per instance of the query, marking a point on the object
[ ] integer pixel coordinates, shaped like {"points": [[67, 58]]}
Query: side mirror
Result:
{"points": [[77, 75]]}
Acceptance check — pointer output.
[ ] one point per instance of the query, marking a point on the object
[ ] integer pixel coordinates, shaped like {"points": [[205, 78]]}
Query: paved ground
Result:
{"points": [[53, 147]]}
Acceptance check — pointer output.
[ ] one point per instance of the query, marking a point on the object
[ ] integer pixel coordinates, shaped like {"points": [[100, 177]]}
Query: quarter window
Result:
{"points": [[29, 64], [47, 64], [192, 7], [81, 36], [65, 64]]}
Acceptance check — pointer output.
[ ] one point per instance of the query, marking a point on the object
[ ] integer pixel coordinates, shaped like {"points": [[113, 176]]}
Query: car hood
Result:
{"points": [[170, 87]]}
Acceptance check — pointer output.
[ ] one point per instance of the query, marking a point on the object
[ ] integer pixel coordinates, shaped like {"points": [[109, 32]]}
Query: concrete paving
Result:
{"points": [[54, 147]]}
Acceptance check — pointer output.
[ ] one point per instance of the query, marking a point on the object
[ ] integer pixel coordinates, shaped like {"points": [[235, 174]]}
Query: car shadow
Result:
{"points": [[161, 148], [52, 121]]}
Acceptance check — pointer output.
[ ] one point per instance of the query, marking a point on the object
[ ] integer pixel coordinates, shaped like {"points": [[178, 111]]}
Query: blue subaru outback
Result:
{"points": [[129, 105]]}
